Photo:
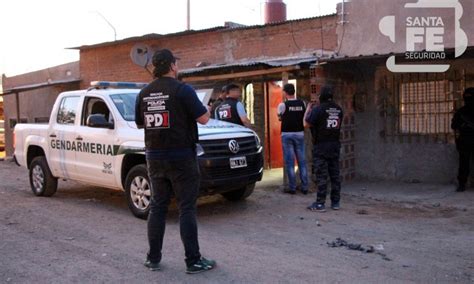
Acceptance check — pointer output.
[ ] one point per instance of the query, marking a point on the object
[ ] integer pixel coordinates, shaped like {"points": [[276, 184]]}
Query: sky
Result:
{"points": [[35, 34]]}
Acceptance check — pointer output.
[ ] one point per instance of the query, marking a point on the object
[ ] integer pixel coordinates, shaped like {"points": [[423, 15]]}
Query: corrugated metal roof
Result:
{"points": [[182, 33], [31, 87], [264, 61]]}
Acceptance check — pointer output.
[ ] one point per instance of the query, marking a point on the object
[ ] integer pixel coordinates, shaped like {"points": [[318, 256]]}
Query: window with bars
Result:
{"points": [[426, 107]]}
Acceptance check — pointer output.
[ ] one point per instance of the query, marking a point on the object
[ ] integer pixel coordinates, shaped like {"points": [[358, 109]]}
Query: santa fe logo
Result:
{"points": [[428, 33]]}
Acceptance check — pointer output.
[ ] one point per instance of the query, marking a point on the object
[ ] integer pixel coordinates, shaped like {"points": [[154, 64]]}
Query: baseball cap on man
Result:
{"points": [[326, 94], [469, 92], [230, 87], [163, 57], [468, 97]]}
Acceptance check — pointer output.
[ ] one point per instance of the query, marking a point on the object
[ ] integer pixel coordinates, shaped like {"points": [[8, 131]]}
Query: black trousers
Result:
{"points": [[326, 164], [465, 156], [180, 177]]}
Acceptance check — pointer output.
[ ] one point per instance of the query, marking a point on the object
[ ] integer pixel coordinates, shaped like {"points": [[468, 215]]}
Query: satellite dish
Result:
{"points": [[141, 54]]}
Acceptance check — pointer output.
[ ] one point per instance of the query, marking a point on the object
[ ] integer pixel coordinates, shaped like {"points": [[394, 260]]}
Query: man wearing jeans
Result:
{"points": [[291, 114], [168, 110]]}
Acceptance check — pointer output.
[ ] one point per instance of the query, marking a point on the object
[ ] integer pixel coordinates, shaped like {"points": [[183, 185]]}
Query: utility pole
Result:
{"points": [[188, 18]]}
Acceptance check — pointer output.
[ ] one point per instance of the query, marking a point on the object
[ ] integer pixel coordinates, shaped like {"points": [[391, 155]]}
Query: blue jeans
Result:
{"points": [[293, 146]]}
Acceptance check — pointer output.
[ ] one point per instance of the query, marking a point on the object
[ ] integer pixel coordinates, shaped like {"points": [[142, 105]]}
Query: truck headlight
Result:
{"points": [[258, 143], [199, 150]]}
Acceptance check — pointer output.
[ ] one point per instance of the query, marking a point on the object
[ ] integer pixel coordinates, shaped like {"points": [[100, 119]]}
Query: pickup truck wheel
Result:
{"points": [[239, 194], [42, 182], [138, 191]]}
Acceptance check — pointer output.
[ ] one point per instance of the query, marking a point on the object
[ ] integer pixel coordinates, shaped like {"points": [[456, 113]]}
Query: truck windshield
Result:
{"points": [[125, 104]]}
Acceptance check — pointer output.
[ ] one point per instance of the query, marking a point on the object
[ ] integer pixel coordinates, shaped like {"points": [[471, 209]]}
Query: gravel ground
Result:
{"points": [[85, 234]]}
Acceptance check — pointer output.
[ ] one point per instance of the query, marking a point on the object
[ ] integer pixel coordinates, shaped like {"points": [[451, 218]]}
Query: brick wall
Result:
{"points": [[56, 73], [345, 88], [345, 98], [113, 62], [259, 111], [383, 153]]}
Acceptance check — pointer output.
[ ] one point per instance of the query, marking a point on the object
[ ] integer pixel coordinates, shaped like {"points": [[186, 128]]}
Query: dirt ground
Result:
{"points": [[421, 233]]}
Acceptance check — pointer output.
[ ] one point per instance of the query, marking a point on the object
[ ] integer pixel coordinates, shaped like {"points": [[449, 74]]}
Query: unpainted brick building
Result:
{"points": [[258, 58], [29, 98]]}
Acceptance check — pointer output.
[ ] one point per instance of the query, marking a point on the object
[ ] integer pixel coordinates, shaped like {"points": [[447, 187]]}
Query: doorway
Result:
{"points": [[274, 98]]}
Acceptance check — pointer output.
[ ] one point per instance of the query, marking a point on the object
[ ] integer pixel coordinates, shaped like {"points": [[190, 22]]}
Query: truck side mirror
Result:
{"points": [[98, 121]]}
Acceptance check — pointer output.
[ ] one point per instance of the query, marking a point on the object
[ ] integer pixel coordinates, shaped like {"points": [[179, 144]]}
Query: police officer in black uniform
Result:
{"points": [[325, 121], [168, 110], [218, 102], [463, 124], [231, 109]]}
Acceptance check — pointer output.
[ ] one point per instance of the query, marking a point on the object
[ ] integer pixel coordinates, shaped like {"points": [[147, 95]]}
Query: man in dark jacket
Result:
{"points": [[325, 121], [168, 110], [218, 102], [463, 124]]}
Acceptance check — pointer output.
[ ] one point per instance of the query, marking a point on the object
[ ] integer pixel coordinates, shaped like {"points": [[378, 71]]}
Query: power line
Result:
{"points": [[107, 21]]}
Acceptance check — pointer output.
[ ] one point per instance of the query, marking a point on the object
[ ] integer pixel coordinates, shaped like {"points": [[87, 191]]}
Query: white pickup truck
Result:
{"points": [[92, 138]]}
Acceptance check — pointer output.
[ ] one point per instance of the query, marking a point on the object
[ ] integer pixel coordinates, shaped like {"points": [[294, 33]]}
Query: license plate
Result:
{"points": [[239, 162]]}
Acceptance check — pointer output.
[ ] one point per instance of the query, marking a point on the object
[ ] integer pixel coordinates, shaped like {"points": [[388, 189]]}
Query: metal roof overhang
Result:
{"points": [[247, 68], [31, 87]]}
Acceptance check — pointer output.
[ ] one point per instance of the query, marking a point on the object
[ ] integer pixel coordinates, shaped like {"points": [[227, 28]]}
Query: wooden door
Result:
{"points": [[274, 125]]}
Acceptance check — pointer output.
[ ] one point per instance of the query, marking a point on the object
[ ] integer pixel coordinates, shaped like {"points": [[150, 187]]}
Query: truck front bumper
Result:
{"points": [[218, 177]]}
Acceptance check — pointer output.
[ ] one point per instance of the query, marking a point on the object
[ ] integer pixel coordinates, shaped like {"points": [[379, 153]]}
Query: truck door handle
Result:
{"points": [[79, 138], [53, 135]]}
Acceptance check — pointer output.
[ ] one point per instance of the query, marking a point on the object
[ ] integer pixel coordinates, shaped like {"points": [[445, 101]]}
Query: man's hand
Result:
{"points": [[308, 111], [246, 121], [203, 119]]}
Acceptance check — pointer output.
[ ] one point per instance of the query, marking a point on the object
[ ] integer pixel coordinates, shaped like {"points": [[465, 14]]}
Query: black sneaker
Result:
{"points": [[335, 206], [289, 191], [317, 207], [461, 188], [153, 266], [201, 266]]}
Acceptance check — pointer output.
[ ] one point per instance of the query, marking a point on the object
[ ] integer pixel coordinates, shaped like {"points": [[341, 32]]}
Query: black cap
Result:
{"points": [[289, 89], [163, 57], [231, 87], [326, 94], [468, 97], [469, 92]]}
